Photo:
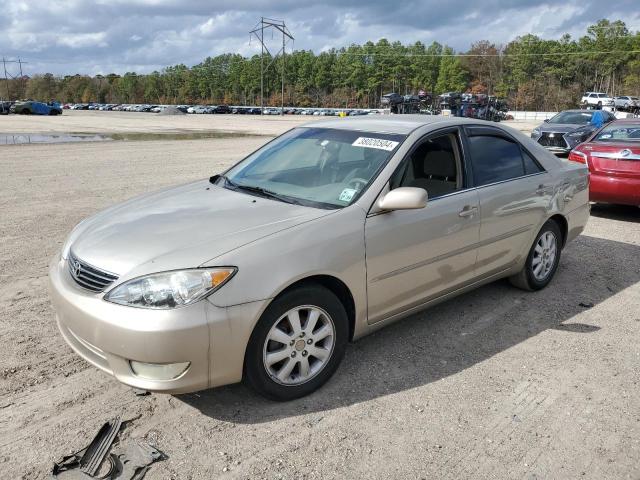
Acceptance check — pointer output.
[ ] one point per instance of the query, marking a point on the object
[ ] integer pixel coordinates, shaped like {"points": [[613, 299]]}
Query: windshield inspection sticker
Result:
{"points": [[347, 194], [378, 143]]}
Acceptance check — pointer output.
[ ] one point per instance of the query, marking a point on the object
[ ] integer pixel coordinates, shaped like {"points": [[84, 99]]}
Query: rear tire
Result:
{"points": [[297, 344], [542, 261]]}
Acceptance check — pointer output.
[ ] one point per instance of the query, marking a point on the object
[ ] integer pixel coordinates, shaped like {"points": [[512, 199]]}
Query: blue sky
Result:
{"points": [[103, 36]]}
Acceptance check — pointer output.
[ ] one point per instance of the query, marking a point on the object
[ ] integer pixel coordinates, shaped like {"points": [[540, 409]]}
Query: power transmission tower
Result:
{"points": [[267, 24], [8, 76]]}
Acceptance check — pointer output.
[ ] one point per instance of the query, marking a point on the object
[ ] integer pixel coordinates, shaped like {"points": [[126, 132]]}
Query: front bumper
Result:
{"points": [[553, 141], [611, 189], [558, 150], [212, 339]]}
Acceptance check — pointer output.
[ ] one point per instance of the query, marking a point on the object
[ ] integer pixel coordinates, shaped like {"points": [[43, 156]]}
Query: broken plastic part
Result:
{"points": [[126, 462]]}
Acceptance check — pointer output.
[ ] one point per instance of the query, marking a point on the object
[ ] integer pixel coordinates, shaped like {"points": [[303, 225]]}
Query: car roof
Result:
{"points": [[397, 124]]}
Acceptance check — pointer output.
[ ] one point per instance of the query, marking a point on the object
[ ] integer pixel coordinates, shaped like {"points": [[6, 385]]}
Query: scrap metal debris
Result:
{"points": [[98, 460]]}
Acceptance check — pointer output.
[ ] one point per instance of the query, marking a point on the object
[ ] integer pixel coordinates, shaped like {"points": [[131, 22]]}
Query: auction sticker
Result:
{"points": [[379, 143], [347, 194]]}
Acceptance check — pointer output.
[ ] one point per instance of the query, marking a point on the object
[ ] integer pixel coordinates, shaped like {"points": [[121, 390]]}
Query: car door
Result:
{"points": [[416, 255], [514, 193]]}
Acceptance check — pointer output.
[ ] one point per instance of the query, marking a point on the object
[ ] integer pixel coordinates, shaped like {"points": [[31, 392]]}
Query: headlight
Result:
{"points": [[535, 132], [170, 289]]}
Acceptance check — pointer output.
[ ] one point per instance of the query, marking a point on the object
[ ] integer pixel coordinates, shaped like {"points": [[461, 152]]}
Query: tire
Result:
{"points": [[288, 376], [532, 276]]}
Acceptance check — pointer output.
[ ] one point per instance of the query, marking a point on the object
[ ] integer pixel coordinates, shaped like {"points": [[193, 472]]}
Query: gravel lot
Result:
{"points": [[498, 383]]}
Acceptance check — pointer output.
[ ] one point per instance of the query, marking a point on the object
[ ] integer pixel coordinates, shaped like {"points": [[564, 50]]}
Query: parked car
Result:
{"points": [[221, 109], [5, 107], [564, 131], [31, 107], [625, 102], [613, 157], [301, 254], [596, 99]]}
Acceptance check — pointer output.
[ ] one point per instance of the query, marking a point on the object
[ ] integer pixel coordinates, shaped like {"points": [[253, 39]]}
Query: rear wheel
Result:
{"points": [[297, 344], [542, 261]]}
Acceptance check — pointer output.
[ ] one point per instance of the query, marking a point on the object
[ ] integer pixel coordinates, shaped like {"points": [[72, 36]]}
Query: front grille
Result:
{"points": [[557, 140], [88, 276]]}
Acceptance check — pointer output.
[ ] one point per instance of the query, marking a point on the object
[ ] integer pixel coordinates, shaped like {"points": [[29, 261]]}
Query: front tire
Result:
{"points": [[297, 344], [542, 261]]}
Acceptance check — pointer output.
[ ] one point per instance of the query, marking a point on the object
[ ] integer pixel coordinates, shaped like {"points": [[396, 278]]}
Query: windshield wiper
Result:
{"points": [[263, 192]]}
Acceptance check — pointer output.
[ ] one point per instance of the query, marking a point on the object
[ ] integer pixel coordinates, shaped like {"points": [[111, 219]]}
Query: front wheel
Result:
{"points": [[297, 344], [542, 261]]}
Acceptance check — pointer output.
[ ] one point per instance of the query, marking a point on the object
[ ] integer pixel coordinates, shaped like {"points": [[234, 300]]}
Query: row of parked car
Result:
{"points": [[608, 145], [219, 109], [30, 107], [599, 100]]}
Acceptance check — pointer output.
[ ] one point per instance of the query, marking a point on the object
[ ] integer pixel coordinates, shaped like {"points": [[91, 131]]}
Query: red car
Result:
{"points": [[613, 157]]}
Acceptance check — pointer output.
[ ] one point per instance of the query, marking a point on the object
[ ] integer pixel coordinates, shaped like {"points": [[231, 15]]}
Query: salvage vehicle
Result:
{"points": [[625, 102], [562, 132], [31, 107], [5, 107], [325, 234], [596, 100], [613, 157]]}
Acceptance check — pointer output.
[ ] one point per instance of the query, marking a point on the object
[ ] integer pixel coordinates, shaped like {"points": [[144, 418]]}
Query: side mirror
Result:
{"points": [[546, 120], [404, 198]]}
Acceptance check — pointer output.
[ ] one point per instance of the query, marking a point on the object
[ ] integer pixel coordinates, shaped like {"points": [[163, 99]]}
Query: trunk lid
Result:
{"points": [[619, 159]]}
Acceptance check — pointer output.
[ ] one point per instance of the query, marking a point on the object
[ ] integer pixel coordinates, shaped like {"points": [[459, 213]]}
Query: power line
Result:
{"points": [[547, 54], [279, 25]]}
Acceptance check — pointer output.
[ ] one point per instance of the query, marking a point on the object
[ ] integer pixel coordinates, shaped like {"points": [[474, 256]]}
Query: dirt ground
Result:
{"points": [[497, 383]]}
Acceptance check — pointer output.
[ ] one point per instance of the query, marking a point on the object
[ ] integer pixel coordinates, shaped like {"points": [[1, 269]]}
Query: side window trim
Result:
{"points": [[482, 130], [532, 157], [465, 162]]}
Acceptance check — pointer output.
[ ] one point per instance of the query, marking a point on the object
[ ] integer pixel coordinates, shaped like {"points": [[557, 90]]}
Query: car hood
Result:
{"points": [[560, 127], [183, 227]]}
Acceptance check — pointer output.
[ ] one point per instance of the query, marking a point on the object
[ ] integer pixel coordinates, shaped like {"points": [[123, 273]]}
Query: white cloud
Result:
{"points": [[103, 36], [83, 40]]}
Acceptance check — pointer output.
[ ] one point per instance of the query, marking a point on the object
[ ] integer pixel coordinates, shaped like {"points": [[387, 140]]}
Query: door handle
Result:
{"points": [[468, 211]]}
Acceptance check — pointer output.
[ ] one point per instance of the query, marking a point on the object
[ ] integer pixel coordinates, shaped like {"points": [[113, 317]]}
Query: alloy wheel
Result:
{"points": [[544, 255], [299, 345]]}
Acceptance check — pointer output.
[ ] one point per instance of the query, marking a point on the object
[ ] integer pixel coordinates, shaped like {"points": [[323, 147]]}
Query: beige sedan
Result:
{"points": [[325, 234]]}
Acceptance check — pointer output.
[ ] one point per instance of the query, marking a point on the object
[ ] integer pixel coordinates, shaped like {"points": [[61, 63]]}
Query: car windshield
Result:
{"points": [[612, 133], [577, 118], [318, 167]]}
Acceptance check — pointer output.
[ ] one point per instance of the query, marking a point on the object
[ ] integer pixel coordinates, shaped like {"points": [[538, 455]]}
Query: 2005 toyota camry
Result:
{"points": [[326, 233]]}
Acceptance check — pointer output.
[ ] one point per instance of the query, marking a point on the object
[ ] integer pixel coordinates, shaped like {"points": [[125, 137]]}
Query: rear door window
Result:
{"points": [[531, 166], [495, 159]]}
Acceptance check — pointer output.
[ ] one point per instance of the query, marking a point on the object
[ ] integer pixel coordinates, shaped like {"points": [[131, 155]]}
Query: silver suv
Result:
{"points": [[596, 99]]}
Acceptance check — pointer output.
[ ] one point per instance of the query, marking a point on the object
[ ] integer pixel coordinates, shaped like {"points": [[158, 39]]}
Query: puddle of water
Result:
{"points": [[20, 138], [131, 136]]}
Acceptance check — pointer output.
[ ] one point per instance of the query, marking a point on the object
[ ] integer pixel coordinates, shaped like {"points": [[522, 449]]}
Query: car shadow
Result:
{"points": [[624, 213], [449, 337]]}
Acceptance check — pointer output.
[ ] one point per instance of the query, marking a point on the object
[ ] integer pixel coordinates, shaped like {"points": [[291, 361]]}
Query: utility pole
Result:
{"points": [[282, 97], [279, 25], [262, 66], [8, 76], [6, 80]]}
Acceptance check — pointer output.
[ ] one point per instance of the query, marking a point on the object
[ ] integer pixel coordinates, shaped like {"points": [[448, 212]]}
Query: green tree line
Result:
{"points": [[530, 72]]}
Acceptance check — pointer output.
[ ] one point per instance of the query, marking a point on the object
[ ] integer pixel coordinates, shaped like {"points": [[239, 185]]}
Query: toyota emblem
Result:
{"points": [[77, 268], [625, 153]]}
